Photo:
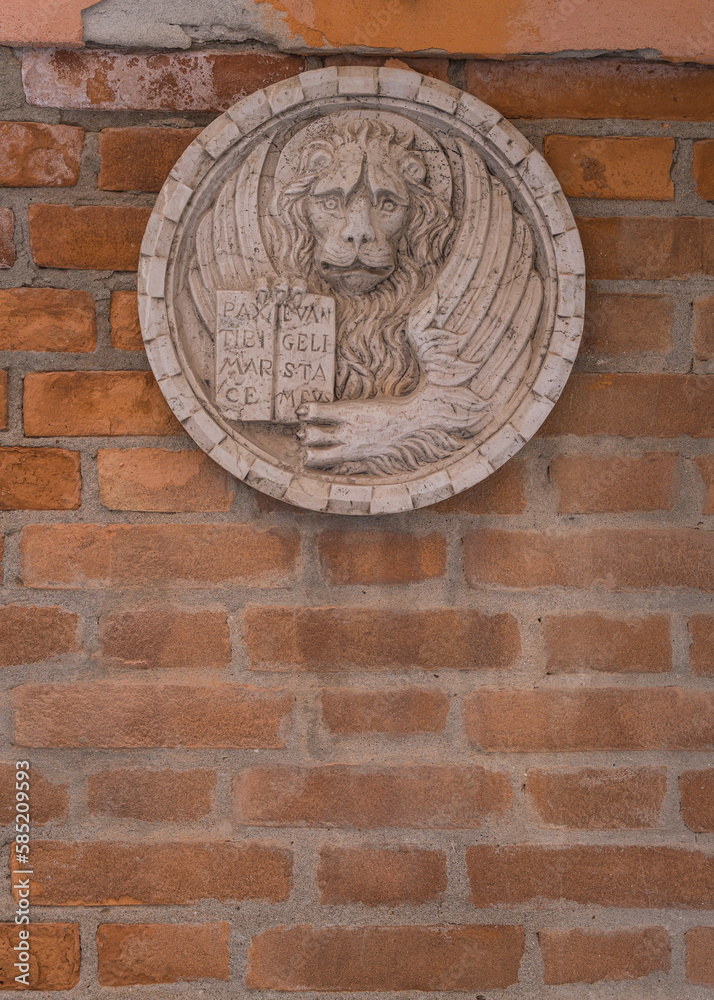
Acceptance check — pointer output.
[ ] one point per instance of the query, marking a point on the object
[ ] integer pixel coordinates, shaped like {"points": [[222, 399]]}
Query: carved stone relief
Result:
{"points": [[361, 290]]}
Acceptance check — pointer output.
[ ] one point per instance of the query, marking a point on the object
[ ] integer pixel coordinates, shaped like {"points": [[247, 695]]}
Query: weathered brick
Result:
{"points": [[502, 493], [618, 324], [47, 319], [397, 711], [380, 877], [650, 248], [613, 558], [704, 168], [141, 81], [696, 790], [593, 484], [139, 159], [590, 956], [589, 641], [700, 955], [7, 242], [31, 635], [124, 322], [40, 479], [324, 639], [102, 873], [33, 154], [166, 637], [701, 651], [156, 479], [704, 329], [705, 466], [593, 88], [378, 959], [427, 66], [380, 557], [153, 796], [597, 167], [54, 956], [589, 798], [71, 556], [3, 400], [558, 721], [49, 801], [631, 876], [343, 795], [81, 403], [124, 714], [144, 954], [91, 237]]}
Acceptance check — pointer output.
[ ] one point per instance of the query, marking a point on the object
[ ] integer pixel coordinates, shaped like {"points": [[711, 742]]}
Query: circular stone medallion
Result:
{"points": [[361, 290]]}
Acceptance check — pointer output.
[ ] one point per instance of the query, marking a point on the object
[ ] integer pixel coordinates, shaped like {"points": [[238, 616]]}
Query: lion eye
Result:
{"points": [[388, 205], [331, 204]]}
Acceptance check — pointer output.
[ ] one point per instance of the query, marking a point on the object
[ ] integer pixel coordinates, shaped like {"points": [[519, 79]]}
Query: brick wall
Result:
{"points": [[464, 749]]}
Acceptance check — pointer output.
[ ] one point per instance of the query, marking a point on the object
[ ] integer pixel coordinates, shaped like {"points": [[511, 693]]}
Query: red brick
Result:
{"points": [[166, 637], [704, 329], [7, 243], [151, 796], [54, 956], [427, 66], [31, 635], [612, 558], [504, 492], [326, 639], [705, 466], [617, 323], [397, 711], [701, 651], [380, 877], [704, 168], [124, 322], [593, 484], [380, 557], [40, 479], [48, 801], [102, 873], [593, 88], [700, 955], [583, 642], [650, 248], [3, 399], [33, 154], [47, 319], [378, 959], [343, 795], [696, 790], [559, 721], [144, 954], [124, 714], [597, 167], [589, 956], [92, 237], [626, 798], [145, 81], [139, 159], [72, 556], [630, 876], [82, 403], [156, 479]]}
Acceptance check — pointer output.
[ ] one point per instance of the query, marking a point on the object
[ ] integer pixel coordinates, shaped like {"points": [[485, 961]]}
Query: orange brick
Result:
{"points": [[93, 237], [397, 711], [705, 465], [166, 637], [152, 796], [155, 479], [700, 955], [123, 714], [40, 479], [616, 323], [504, 492], [625, 798], [72, 556], [376, 959], [592, 484], [36, 155], [7, 243], [656, 248], [3, 400], [704, 168], [54, 956], [81, 403], [47, 319], [139, 159], [49, 801], [696, 790], [380, 877], [343, 795], [380, 557], [102, 873], [31, 635], [592, 167], [701, 652], [144, 954], [583, 642], [704, 329], [373, 639], [124, 322], [434, 67], [588, 956], [559, 721]]}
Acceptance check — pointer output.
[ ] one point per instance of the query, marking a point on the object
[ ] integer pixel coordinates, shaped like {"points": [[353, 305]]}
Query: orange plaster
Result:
{"points": [[42, 22]]}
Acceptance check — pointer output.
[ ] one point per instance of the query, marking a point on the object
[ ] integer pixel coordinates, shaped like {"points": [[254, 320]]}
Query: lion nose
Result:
{"points": [[358, 227]]}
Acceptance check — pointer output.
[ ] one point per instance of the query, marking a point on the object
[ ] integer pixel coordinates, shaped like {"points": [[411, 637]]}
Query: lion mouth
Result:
{"points": [[357, 268]]}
